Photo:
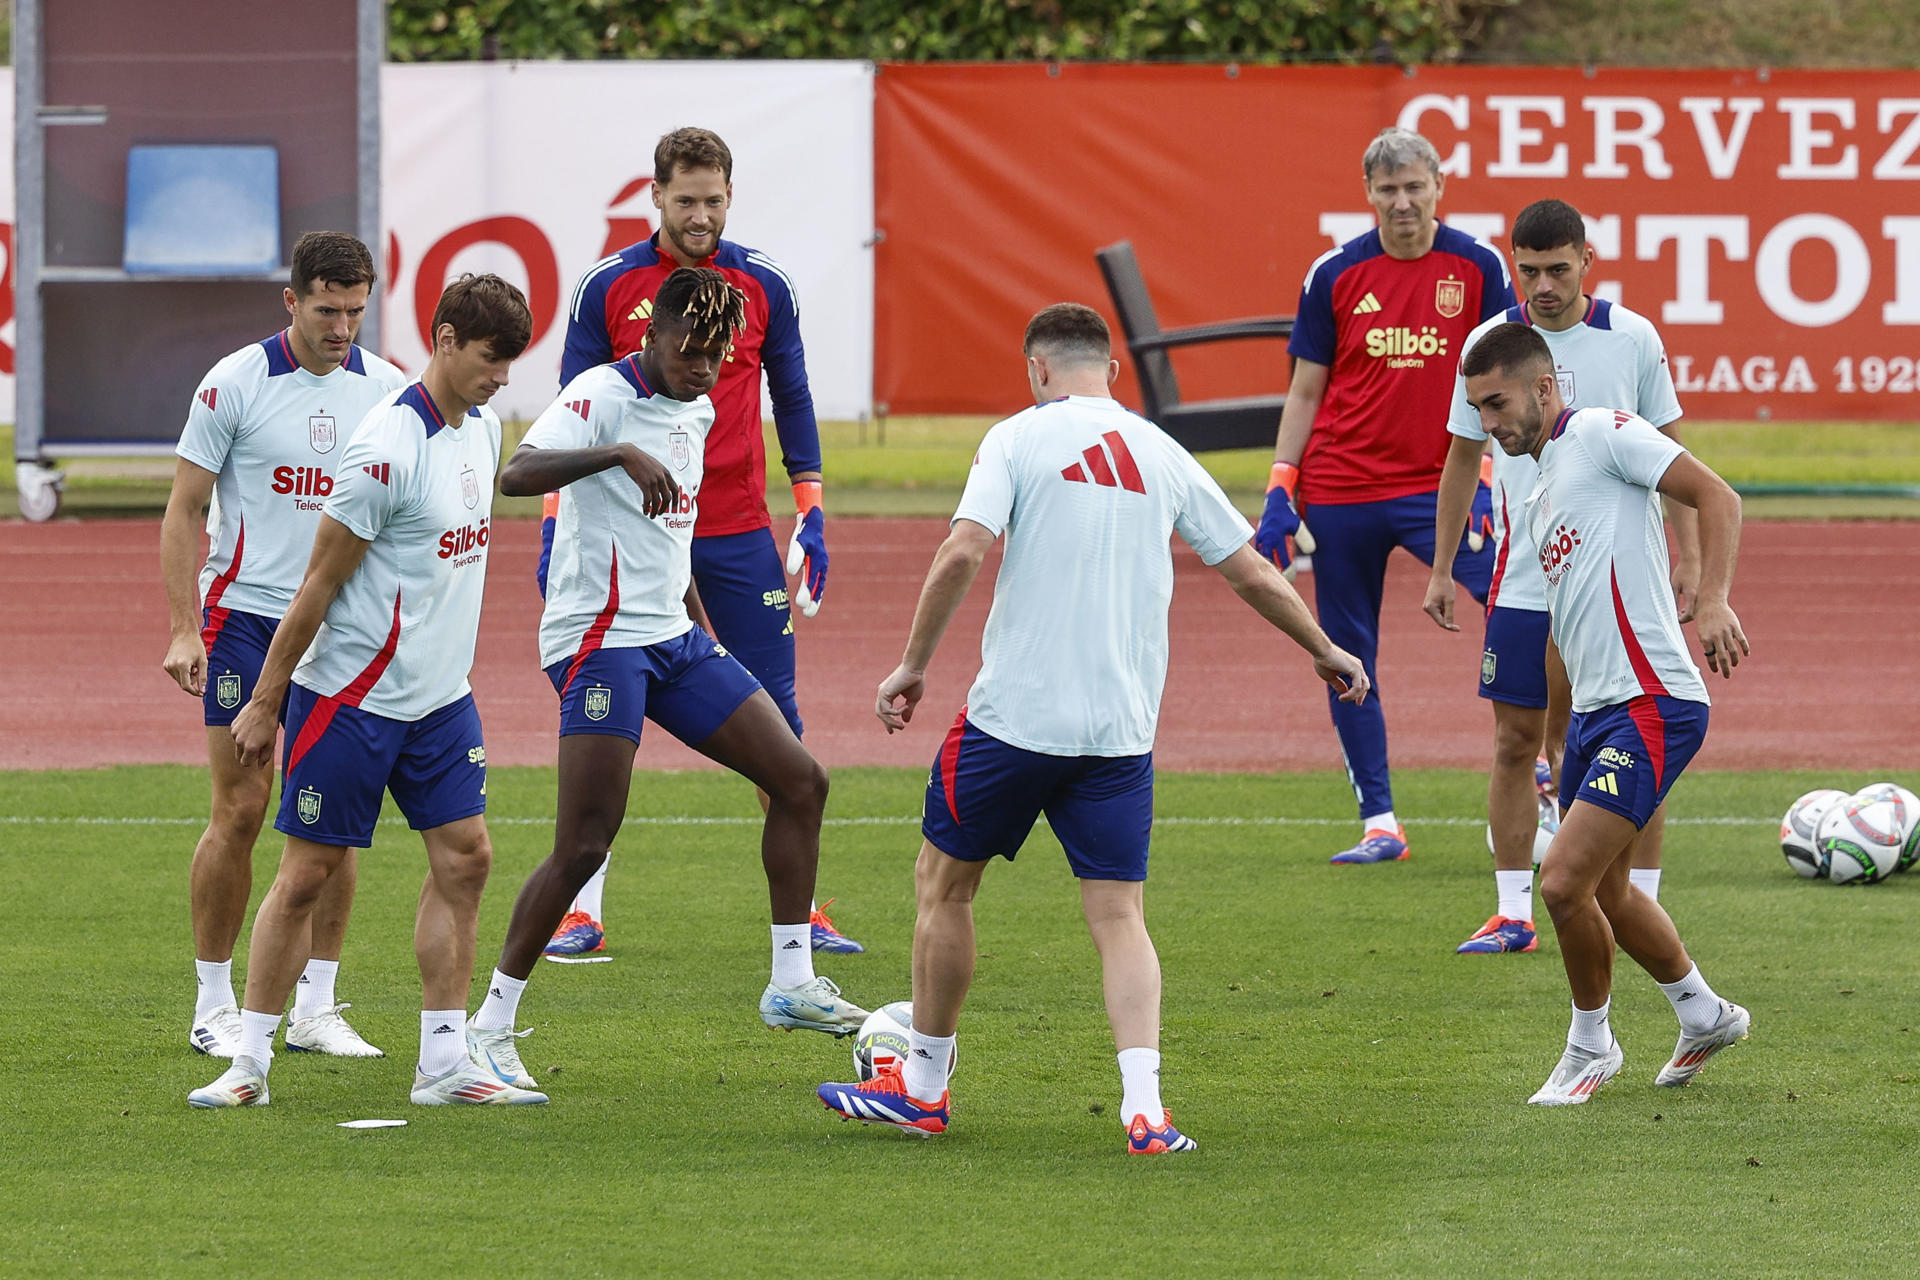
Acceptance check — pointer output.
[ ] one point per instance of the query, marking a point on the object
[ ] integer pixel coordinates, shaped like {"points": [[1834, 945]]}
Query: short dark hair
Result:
{"points": [[331, 257], [486, 309], [713, 306], [1508, 348], [690, 149], [1069, 331], [1548, 224]]}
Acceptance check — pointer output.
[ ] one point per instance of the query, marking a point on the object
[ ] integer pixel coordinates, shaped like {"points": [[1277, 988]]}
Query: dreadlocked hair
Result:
{"points": [[714, 309]]}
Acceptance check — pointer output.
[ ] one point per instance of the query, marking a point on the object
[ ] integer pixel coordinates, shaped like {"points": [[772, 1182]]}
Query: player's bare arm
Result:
{"points": [[1686, 546], [530, 471], [955, 565], [1305, 390], [1691, 482], [337, 552], [1458, 479], [696, 610], [1255, 580], [186, 659]]}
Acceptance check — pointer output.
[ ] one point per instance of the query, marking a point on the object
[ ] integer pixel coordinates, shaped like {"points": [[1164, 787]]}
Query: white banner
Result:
{"points": [[537, 170]]}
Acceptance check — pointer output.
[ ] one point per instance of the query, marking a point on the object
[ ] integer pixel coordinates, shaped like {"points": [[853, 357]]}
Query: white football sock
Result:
{"points": [[1382, 821], [313, 994], [502, 1004], [1516, 894], [591, 893], [925, 1071], [1694, 1002], [1646, 880], [1140, 1087], [1589, 1030], [256, 1036], [215, 987], [443, 1040], [792, 955]]}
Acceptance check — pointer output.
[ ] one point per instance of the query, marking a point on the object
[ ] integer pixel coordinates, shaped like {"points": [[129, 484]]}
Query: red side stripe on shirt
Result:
{"points": [[1642, 669], [323, 710], [1499, 565], [1653, 732], [598, 631], [216, 616], [950, 761], [1123, 461]]}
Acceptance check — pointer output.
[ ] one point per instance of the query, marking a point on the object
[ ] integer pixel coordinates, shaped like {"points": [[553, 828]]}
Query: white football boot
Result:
{"points": [[471, 1084], [1579, 1073], [498, 1051], [327, 1032], [244, 1084], [811, 1006], [1693, 1051], [218, 1034]]}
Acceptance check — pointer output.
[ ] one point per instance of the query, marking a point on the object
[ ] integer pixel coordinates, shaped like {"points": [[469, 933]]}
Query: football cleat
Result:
{"points": [[579, 934], [811, 1006], [1375, 846], [1693, 1051], [498, 1051], [829, 939], [1543, 777], [218, 1034], [884, 1100], [244, 1084], [1579, 1073], [1501, 933], [327, 1032], [470, 1084], [1144, 1139]]}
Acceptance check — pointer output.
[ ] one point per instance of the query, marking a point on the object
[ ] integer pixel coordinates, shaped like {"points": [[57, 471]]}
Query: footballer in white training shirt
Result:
{"points": [[1639, 704], [624, 446], [386, 616], [260, 450], [1061, 718], [1604, 354]]}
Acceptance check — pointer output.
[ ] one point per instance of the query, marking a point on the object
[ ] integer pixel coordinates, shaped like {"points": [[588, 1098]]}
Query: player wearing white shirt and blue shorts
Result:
{"points": [[1604, 354], [1061, 718], [260, 451], [625, 445], [386, 617], [1593, 530]]}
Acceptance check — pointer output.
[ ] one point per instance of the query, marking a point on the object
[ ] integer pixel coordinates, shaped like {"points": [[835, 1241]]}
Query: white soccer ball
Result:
{"points": [[1542, 834], [882, 1040], [1909, 807], [1861, 836], [1801, 826]]}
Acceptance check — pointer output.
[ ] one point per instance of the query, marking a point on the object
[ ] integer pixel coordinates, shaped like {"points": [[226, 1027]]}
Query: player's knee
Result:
{"points": [[464, 867], [1561, 892], [1515, 746], [239, 812], [803, 788]]}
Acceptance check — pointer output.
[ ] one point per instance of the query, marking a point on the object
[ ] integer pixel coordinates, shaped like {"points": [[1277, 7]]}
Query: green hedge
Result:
{"points": [[1248, 31]]}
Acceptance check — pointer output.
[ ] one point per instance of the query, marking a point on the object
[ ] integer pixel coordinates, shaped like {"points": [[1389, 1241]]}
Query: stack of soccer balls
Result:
{"points": [[1861, 838]]}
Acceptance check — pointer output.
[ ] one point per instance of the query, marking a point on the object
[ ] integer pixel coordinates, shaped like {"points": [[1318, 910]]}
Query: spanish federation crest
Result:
{"points": [[1489, 663], [226, 691], [598, 702], [469, 486], [1565, 378], [320, 432], [309, 805], [679, 450], [1450, 297]]}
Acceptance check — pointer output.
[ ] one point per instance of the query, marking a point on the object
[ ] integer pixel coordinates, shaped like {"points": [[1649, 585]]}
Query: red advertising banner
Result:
{"points": [[1768, 223]]}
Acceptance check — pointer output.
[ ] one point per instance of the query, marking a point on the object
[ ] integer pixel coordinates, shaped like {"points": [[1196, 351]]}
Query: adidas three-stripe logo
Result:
{"points": [[1119, 473], [1366, 306], [581, 407], [1608, 784], [210, 397]]}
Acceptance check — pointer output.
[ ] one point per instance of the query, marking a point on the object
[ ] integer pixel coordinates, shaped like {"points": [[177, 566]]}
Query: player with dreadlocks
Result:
{"points": [[625, 447]]}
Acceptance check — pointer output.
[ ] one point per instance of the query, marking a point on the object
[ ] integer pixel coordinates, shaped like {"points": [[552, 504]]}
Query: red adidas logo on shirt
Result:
{"points": [[1120, 473], [380, 471], [580, 407], [209, 396]]}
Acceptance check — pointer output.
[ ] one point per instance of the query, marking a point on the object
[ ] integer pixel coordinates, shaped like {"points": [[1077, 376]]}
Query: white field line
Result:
{"points": [[20, 820]]}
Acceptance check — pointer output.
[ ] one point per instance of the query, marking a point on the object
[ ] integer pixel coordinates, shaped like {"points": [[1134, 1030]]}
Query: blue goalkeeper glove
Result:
{"points": [[1480, 514], [807, 552], [1280, 533]]}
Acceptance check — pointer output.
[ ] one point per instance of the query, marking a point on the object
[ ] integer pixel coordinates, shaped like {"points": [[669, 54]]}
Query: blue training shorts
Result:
{"points": [[236, 650], [743, 584], [1626, 757], [984, 795], [1513, 666], [688, 686], [338, 759]]}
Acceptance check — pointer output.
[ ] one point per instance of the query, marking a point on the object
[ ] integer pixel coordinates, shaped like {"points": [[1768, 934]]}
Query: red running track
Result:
{"points": [[1832, 609]]}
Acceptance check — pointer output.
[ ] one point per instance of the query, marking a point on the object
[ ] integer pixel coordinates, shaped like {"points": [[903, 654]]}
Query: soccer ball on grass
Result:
{"points": [[1800, 828], [1862, 837]]}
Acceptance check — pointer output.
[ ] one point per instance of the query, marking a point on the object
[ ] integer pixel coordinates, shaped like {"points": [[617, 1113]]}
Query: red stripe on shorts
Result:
{"points": [[1653, 732], [325, 707], [950, 761], [216, 616]]}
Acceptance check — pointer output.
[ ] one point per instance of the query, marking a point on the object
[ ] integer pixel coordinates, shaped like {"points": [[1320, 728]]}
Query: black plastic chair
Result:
{"points": [[1240, 423]]}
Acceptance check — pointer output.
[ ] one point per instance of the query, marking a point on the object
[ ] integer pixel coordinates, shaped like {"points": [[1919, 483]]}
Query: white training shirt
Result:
{"points": [[398, 639], [618, 580], [272, 433], [1613, 357], [1088, 493], [1594, 522]]}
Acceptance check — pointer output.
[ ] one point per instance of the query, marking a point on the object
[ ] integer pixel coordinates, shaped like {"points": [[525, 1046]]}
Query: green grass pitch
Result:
{"points": [[1356, 1088]]}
